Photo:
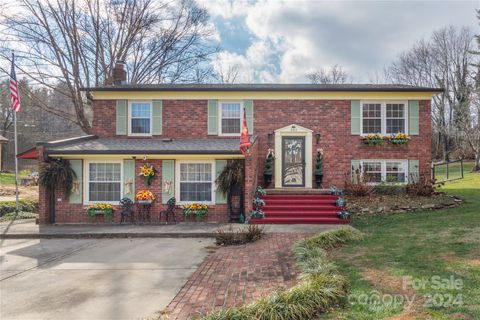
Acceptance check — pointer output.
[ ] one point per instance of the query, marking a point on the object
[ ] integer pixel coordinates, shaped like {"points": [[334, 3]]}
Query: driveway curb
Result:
{"points": [[106, 235]]}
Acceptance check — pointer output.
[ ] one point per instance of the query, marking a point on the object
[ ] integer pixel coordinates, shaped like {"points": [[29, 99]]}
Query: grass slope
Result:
{"points": [[420, 245], [7, 179]]}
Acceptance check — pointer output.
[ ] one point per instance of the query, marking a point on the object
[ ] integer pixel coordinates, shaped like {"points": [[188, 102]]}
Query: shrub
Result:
{"points": [[357, 184], [24, 205], [17, 216], [421, 185], [249, 234], [320, 288]]}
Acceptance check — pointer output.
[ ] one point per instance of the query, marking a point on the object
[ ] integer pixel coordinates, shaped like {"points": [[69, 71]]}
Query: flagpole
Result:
{"points": [[16, 159]]}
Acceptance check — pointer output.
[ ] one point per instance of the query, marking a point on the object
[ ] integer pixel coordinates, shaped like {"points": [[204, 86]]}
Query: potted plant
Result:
{"points": [[399, 138], [319, 168], [104, 209], [268, 170], [144, 197], [229, 181], [258, 203], [373, 139], [197, 210], [147, 172], [56, 173]]}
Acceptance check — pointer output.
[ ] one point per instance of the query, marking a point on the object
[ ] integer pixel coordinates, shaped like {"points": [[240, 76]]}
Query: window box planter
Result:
{"points": [[145, 202], [399, 139], [373, 139], [99, 209], [197, 211]]}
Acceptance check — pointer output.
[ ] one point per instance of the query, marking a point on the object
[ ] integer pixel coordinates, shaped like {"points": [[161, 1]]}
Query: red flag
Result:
{"points": [[244, 136]]}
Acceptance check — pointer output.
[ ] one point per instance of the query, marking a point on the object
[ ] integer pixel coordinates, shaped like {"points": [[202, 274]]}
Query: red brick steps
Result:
{"points": [[300, 209]]}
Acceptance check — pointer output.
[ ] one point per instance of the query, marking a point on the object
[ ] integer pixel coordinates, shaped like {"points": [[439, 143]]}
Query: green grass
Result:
{"points": [[7, 179], [420, 245], [454, 170]]}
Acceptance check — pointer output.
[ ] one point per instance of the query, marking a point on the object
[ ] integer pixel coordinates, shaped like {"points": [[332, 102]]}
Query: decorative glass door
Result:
{"points": [[293, 161]]}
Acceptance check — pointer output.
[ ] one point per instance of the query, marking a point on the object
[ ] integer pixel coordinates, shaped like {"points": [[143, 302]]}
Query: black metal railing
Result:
{"points": [[448, 170]]}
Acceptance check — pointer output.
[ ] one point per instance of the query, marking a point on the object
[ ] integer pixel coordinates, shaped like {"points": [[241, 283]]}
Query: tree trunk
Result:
{"points": [[477, 161]]}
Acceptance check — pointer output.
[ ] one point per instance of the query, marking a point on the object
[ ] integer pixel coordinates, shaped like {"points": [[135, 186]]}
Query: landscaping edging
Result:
{"points": [[456, 202], [320, 288]]}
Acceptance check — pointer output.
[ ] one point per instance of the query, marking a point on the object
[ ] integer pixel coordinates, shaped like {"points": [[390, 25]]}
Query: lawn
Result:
{"points": [[7, 179], [437, 251], [454, 170]]}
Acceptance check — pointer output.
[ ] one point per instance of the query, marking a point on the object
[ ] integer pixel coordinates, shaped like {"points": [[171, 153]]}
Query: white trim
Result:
{"points": [[383, 106], [86, 179], [177, 180], [298, 131], [219, 116], [384, 170], [129, 116]]}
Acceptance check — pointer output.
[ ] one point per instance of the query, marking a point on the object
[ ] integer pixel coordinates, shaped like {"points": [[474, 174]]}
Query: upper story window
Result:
{"points": [[230, 118], [140, 118], [384, 117], [104, 181]]}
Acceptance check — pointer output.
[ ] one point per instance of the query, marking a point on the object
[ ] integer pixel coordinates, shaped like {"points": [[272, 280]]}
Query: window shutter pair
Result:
{"points": [[413, 117], [213, 114], [122, 117]]}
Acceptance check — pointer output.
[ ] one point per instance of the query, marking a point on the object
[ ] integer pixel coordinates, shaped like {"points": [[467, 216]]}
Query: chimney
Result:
{"points": [[119, 75]]}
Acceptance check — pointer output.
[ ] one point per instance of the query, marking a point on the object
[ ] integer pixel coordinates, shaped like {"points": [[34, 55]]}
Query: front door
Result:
{"points": [[293, 161]]}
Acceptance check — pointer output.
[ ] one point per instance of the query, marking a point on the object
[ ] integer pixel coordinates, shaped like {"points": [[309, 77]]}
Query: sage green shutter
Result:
{"points": [[413, 117], [168, 174], [413, 170], [355, 117], [248, 105], [157, 110], [121, 112], [129, 179], [212, 117], [220, 198], [354, 167], [77, 192]]}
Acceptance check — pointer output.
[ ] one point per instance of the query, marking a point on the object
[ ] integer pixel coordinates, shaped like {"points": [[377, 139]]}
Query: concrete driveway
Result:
{"points": [[94, 279]]}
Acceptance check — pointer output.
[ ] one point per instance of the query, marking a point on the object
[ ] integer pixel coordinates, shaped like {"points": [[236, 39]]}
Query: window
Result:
{"points": [[104, 181], [384, 117], [196, 182], [395, 172], [386, 171], [230, 118], [372, 118], [140, 118], [372, 171], [395, 118]]}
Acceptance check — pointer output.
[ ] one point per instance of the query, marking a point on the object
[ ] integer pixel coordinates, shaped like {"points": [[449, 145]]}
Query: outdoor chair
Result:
{"points": [[169, 211], [126, 210]]}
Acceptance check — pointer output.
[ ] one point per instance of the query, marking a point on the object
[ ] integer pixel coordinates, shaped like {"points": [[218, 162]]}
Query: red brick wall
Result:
{"points": [[76, 213]]}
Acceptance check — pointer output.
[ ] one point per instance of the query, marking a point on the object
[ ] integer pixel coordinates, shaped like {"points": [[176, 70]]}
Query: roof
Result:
{"points": [[267, 87], [3, 139], [95, 145]]}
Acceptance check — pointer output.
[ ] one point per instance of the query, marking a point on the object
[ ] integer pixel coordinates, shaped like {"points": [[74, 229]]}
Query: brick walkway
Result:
{"points": [[236, 275]]}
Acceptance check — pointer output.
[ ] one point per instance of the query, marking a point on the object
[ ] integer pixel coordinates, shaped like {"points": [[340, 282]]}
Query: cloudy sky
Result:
{"points": [[280, 41]]}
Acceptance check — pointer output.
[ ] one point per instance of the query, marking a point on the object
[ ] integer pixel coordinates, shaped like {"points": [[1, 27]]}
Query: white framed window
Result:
{"points": [[104, 181], [385, 171], [140, 118], [196, 181], [230, 118], [384, 117]]}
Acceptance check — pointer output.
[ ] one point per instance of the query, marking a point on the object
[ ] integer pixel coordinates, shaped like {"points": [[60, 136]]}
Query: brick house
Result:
{"points": [[190, 132]]}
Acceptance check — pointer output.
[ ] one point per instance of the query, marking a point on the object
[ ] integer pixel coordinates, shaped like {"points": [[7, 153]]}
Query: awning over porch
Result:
{"points": [[93, 145]]}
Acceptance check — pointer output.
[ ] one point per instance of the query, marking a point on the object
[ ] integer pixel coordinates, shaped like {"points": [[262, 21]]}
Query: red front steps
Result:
{"points": [[300, 209]]}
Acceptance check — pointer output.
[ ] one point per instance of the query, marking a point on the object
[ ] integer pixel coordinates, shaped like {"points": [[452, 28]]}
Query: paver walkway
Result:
{"points": [[237, 275]]}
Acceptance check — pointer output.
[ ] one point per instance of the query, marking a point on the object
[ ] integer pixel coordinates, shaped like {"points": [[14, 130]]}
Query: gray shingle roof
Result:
{"points": [[266, 87], [94, 145]]}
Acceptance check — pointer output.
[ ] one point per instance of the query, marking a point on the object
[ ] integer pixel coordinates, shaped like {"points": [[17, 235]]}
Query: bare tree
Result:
{"points": [[334, 75], [77, 43], [442, 61], [227, 74]]}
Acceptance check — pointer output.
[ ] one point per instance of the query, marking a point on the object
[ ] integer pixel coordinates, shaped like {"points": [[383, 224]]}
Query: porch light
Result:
{"points": [[269, 135], [318, 135]]}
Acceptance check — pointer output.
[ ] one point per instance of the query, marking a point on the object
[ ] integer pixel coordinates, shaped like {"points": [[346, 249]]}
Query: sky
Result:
{"points": [[281, 41]]}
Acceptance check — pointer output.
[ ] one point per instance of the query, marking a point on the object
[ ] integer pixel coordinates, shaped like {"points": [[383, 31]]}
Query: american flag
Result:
{"points": [[14, 97]]}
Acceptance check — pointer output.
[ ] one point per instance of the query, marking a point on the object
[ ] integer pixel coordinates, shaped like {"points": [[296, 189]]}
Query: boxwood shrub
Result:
{"points": [[24, 205]]}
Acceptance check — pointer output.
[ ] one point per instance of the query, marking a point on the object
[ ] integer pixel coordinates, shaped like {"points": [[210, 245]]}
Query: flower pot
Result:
{"points": [[268, 179], [318, 180], [145, 202]]}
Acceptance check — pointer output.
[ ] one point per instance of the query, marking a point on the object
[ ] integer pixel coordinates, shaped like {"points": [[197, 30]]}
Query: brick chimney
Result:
{"points": [[119, 75]]}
